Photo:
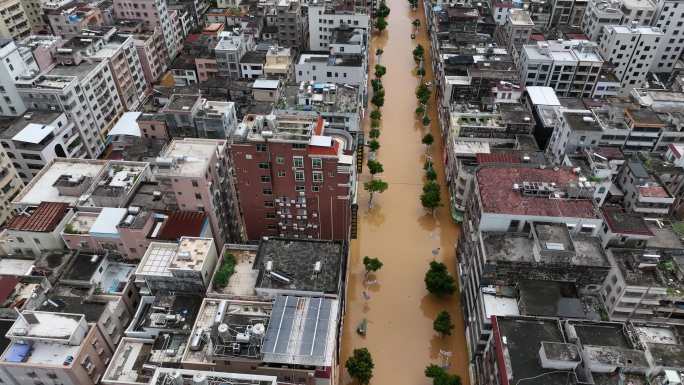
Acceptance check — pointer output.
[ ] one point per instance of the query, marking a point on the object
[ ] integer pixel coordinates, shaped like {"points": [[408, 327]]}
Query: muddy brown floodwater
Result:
{"points": [[400, 232]]}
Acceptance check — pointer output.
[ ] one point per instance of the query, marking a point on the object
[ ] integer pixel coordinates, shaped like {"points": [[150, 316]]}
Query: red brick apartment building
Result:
{"points": [[293, 178]]}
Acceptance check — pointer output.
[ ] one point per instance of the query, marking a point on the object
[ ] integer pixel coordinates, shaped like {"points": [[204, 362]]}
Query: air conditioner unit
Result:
{"points": [[289, 216]]}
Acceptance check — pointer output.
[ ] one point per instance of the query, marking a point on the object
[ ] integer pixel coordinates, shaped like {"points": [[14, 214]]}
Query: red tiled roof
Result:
{"points": [[498, 196], [610, 152], [7, 285], [192, 38], [621, 222], [653, 192], [318, 130], [537, 37], [318, 150], [497, 157], [43, 219], [183, 223], [576, 36]]}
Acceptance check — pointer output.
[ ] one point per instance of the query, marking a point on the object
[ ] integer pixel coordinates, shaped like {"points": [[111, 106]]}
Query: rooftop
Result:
{"points": [[82, 266], [187, 157], [133, 356], [47, 325], [170, 313], [641, 268], [32, 127], [162, 376], [321, 97], [44, 186], [520, 340], [188, 254], [299, 265], [244, 279], [498, 195], [301, 331], [621, 222], [550, 299], [44, 218], [581, 121]]}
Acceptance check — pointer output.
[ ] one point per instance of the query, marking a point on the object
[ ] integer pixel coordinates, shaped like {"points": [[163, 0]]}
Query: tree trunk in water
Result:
{"points": [[370, 201]]}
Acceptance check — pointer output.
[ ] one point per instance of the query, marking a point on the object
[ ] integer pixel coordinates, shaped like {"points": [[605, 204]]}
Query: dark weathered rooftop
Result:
{"points": [[295, 259]]}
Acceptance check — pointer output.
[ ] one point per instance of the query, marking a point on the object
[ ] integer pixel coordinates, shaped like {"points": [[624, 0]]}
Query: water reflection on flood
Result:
{"points": [[401, 233]]}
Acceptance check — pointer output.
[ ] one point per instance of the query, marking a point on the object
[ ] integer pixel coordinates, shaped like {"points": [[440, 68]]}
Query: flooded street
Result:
{"points": [[400, 232]]}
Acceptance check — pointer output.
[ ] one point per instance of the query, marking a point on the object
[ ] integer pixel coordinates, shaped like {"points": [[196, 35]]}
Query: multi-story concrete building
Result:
{"points": [[570, 67], [256, 354], [183, 267], [124, 62], [86, 92], [12, 65], [567, 13], [501, 243], [14, 23], [327, 68], [10, 185], [293, 178], [290, 21], [34, 13], [515, 32], [198, 173], [643, 192], [324, 19], [152, 54], [598, 14], [279, 63], [631, 49], [39, 137], [231, 47], [670, 20], [69, 18], [43, 49], [50, 347], [639, 12], [118, 51], [153, 13]]}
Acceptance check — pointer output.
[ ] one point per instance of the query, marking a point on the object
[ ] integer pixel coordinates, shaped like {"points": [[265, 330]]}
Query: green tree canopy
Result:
{"points": [[371, 264], [380, 70], [381, 24], [441, 377], [374, 133], [443, 324], [374, 145], [360, 366], [376, 114], [428, 139], [374, 167], [438, 281], [430, 198], [375, 186]]}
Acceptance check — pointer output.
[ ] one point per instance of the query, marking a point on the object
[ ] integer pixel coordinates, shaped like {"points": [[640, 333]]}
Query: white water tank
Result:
{"points": [[223, 332], [258, 329], [176, 378], [199, 379]]}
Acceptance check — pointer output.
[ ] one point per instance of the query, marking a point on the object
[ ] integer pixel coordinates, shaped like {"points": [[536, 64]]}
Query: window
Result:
{"points": [[299, 176], [261, 147], [280, 160], [194, 183], [267, 191], [270, 216], [265, 178], [264, 165], [20, 239], [317, 176], [298, 161], [315, 188], [316, 163], [268, 203], [299, 146], [198, 196], [281, 174], [299, 188]]}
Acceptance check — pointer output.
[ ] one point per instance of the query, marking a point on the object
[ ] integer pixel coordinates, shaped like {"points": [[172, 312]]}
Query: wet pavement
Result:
{"points": [[400, 232]]}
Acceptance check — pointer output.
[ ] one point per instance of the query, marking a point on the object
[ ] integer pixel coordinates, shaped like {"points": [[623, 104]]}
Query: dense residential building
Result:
{"points": [[86, 91], [14, 23], [290, 22], [231, 47], [152, 54], [293, 178], [598, 14], [39, 137], [13, 64], [515, 32], [571, 68], [324, 19], [10, 185], [153, 14], [48, 345], [330, 68], [669, 19], [631, 49]]}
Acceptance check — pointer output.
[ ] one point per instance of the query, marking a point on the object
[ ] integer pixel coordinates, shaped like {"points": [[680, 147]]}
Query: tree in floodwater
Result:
{"points": [[374, 167], [443, 324], [438, 281], [371, 264], [430, 198], [360, 366], [441, 377], [375, 186]]}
